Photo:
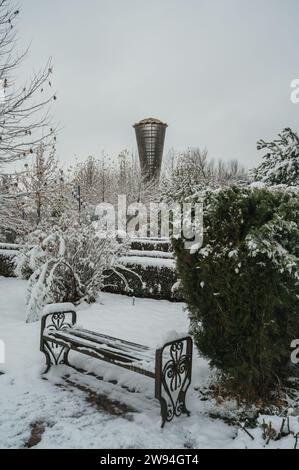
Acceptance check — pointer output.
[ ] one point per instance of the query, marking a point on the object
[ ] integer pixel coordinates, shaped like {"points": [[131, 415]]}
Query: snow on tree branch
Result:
{"points": [[280, 164]]}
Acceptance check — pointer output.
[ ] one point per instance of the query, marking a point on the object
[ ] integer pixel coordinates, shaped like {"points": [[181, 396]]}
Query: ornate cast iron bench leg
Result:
{"points": [[56, 321], [173, 377]]}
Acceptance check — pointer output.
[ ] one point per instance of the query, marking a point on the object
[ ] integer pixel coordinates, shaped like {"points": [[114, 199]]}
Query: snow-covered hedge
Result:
{"points": [[242, 286], [8, 253], [151, 244], [153, 278], [7, 262]]}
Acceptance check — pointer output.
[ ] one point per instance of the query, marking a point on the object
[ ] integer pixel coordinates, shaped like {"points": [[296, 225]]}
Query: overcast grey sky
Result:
{"points": [[217, 71]]}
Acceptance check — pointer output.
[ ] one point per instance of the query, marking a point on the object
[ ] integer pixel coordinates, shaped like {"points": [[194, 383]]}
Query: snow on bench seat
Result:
{"points": [[107, 348]]}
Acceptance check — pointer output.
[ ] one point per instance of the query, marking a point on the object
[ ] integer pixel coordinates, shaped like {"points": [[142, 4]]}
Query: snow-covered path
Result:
{"points": [[69, 418]]}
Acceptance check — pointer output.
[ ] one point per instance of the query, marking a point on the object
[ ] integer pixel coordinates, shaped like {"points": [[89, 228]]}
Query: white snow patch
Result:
{"points": [[257, 185], [59, 307], [170, 336], [147, 261]]}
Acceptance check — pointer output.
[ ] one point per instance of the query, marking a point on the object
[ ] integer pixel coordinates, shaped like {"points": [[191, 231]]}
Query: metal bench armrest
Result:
{"points": [[56, 321], [173, 377]]}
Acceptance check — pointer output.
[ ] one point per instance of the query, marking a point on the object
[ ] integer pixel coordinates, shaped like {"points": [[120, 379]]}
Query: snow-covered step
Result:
{"points": [[9, 246], [149, 261], [8, 252], [151, 254]]}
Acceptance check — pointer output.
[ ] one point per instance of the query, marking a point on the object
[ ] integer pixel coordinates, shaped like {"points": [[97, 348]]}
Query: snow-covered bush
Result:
{"points": [[31, 255], [242, 286], [68, 264], [281, 162], [155, 279], [7, 263]]}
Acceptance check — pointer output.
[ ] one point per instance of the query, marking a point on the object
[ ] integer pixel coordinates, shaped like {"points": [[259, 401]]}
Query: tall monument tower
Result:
{"points": [[150, 135]]}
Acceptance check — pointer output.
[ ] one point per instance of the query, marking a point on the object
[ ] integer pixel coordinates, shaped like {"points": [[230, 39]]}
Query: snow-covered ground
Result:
{"points": [[69, 409]]}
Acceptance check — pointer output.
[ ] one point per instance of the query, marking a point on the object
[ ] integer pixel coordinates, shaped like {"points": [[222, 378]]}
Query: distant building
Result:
{"points": [[150, 135]]}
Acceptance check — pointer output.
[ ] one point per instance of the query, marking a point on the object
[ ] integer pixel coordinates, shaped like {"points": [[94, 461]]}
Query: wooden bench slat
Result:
{"points": [[114, 346], [122, 341], [105, 346], [117, 357], [102, 347], [92, 352]]}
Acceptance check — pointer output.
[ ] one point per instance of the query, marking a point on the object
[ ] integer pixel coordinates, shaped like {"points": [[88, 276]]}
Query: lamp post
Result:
{"points": [[76, 192]]}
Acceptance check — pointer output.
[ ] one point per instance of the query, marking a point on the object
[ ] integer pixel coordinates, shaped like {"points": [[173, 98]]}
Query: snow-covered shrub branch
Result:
{"points": [[68, 264], [280, 164]]}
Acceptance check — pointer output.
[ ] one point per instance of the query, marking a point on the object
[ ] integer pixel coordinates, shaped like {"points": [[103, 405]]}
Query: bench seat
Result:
{"points": [[128, 355]]}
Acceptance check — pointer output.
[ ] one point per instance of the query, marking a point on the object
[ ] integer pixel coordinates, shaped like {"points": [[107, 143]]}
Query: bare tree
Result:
{"points": [[131, 183], [193, 171], [22, 126], [24, 114], [97, 179], [10, 207], [87, 175], [39, 184]]}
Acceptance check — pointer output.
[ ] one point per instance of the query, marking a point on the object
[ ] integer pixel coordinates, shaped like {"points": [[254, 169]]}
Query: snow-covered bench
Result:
{"points": [[170, 365]]}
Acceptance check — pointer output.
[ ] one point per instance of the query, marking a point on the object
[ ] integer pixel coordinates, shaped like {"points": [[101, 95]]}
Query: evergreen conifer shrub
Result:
{"points": [[242, 286]]}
